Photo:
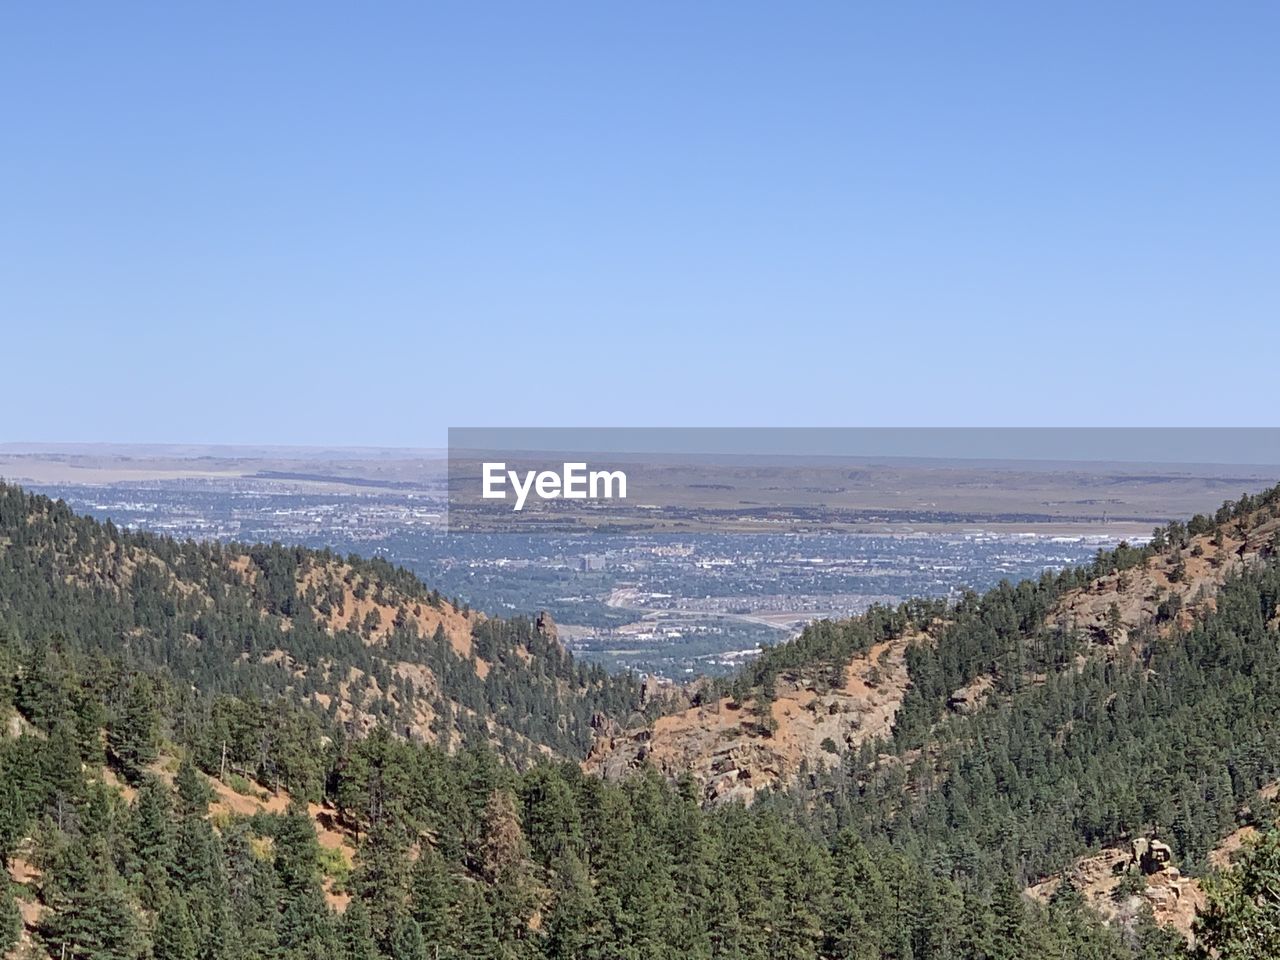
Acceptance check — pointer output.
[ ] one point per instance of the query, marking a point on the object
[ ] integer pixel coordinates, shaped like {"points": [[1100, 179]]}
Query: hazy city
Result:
{"points": [[669, 604]]}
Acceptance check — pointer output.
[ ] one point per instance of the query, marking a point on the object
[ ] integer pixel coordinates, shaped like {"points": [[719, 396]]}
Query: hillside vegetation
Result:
{"points": [[897, 673], [124, 840], [174, 785], [362, 641], [1027, 727]]}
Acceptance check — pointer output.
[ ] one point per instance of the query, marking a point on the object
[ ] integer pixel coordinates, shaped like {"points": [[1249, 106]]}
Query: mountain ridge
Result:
{"points": [[1020, 743], [793, 722], [361, 641]]}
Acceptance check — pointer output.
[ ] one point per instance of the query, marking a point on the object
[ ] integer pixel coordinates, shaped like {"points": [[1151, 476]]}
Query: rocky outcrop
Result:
{"points": [[1172, 898], [546, 626], [970, 698], [733, 750], [1167, 590]]}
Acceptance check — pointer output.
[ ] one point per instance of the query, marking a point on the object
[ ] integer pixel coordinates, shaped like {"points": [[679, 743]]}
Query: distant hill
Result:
{"points": [[359, 640]]}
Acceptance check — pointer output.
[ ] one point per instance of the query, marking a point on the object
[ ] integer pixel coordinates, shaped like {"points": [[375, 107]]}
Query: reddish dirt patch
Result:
{"points": [[732, 755], [228, 801], [391, 606], [329, 832], [25, 873], [1138, 593]]}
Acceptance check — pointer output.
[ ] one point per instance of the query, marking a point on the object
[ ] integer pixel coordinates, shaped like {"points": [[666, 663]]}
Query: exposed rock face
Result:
{"points": [[1184, 584], [546, 626], [732, 751], [970, 698], [1149, 856], [1173, 898]]}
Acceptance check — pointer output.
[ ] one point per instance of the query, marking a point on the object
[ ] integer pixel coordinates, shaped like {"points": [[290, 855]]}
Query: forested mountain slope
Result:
{"points": [[1023, 730], [136, 674], [116, 851], [895, 673], [362, 641]]}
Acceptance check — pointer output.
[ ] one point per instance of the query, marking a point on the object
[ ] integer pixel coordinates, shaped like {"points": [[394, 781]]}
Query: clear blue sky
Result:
{"points": [[362, 223]]}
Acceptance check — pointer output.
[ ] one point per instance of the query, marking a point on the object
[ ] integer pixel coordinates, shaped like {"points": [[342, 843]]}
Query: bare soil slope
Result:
{"points": [[733, 752]]}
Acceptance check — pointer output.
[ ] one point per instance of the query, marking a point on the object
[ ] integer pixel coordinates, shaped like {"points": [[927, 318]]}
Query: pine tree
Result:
{"points": [[1011, 920], [431, 894], [860, 909], [304, 925], [355, 936], [379, 878], [39, 694], [89, 916], [10, 918], [253, 895], [1242, 918], [574, 915], [175, 937], [503, 846], [692, 872], [472, 935], [61, 775], [133, 736], [195, 863], [407, 942], [151, 835], [503, 862], [13, 807], [193, 792]]}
